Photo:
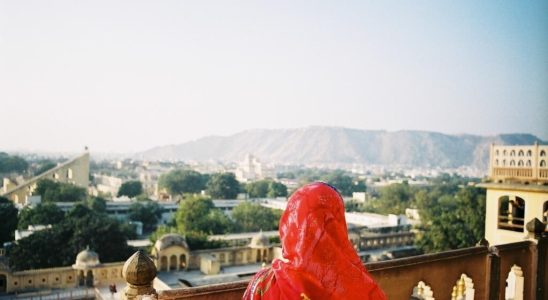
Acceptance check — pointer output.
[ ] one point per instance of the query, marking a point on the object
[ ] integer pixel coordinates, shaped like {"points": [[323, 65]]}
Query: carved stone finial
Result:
{"points": [[535, 226], [139, 271]]}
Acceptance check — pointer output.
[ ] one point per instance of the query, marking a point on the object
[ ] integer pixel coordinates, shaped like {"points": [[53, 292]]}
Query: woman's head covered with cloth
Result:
{"points": [[319, 260]]}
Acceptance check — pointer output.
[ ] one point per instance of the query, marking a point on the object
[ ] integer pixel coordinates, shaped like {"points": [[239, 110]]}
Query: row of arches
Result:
{"points": [[174, 263], [520, 163], [511, 214], [519, 153]]}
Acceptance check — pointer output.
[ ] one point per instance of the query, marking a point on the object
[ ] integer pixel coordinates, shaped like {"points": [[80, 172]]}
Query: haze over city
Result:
{"points": [[126, 76]]}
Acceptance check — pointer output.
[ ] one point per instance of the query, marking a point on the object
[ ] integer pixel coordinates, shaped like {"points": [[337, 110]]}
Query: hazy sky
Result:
{"points": [[129, 75]]}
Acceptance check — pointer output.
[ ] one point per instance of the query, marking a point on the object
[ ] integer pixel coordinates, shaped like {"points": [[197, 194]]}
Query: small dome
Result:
{"points": [[139, 269], [171, 239], [260, 241], [87, 259]]}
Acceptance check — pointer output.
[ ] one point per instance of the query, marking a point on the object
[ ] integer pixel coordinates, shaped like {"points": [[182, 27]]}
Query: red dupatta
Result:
{"points": [[319, 260]]}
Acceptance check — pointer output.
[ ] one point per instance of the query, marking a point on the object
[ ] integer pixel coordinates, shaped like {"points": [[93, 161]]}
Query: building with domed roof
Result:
{"points": [[171, 252], [87, 271]]}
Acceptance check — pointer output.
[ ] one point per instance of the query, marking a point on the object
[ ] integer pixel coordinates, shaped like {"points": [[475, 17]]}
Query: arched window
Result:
{"points": [[520, 153], [173, 262], [528, 164], [496, 162], [520, 163], [222, 258], [497, 152], [511, 213], [504, 162], [512, 163], [543, 163], [182, 261], [504, 152], [542, 153], [513, 153], [163, 263], [529, 153]]}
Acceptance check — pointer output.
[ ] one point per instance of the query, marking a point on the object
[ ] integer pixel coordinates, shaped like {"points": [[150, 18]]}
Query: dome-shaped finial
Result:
{"points": [[139, 272]]}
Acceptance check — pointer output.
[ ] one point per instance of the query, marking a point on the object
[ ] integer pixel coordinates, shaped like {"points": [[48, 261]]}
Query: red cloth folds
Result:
{"points": [[319, 260]]}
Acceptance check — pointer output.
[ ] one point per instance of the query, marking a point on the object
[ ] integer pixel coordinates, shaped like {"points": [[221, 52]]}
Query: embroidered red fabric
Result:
{"points": [[319, 260]]}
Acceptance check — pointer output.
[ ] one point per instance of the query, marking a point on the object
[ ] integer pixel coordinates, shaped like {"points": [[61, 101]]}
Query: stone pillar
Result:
{"points": [[139, 271]]}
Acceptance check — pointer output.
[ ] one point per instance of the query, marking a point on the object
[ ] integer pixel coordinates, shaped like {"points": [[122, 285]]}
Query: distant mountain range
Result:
{"points": [[335, 145]]}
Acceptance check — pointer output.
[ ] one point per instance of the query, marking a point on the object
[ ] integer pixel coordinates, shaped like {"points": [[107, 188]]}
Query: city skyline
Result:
{"points": [[128, 76]]}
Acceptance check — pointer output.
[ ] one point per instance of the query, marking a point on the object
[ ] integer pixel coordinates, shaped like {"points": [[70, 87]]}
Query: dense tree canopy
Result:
{"points": [[266, 188], [345, 184], [249, 217], [148, 213], [257, 189], [394, 199], [130, 188], [183, 181], [451, 220], [97, 204], [197, 214], [8, 220], [52, 191], [59, 245], [223, 186], [277, 189], [12, 163], [42, 214]]}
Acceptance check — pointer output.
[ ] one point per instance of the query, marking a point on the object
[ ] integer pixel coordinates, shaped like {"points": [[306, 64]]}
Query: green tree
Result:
{"points": [[183, 181], [42, 214], [266, 188], [9, 163], [59, 245], [197, 214], [8, 215], [223, 186], [97, 204], [258, 189], [277, 189], [52, 191], [249, 217], [451, 221], [146, 212], [199, 240], [394, 199], [160, 231], [130, 189], [342, 182]]}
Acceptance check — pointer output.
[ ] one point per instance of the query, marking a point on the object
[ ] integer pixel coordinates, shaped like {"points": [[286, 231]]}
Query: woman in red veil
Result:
{"points": [[319, 261]]}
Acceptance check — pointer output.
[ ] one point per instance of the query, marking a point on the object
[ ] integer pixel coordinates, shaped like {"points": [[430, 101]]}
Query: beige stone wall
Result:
{"points": [[528, 163], [75, 171], [41, 279], [534, 206], [58, 278]]}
